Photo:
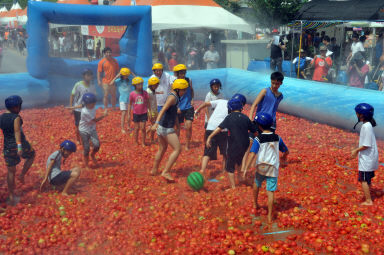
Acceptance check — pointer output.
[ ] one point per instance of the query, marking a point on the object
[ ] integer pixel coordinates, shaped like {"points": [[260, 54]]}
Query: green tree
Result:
{"points": [[232, 6]]}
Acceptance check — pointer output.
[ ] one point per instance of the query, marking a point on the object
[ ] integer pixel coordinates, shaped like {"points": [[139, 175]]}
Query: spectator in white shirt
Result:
{"points": [[356, 46], [211, 57]]}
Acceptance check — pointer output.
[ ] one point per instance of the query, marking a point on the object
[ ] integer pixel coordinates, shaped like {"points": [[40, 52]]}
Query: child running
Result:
{"points": [[238, 125], [153, 83], [76, 98], [139, 105], [220, 140], [367, 150], [212, 95], [165, 123], [266, 146], [15, 144], [122, 83], [54, 173]]}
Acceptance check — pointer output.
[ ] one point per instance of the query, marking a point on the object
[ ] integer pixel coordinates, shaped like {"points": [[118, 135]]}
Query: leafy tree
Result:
{"points": [[232, 6]]}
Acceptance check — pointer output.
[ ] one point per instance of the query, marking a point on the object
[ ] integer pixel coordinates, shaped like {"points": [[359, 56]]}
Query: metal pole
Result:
{"points": [[292, 41], [301, 39]]}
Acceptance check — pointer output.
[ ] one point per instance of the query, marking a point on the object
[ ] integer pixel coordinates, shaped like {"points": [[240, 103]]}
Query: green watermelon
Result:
{"points": [[195, 181]]}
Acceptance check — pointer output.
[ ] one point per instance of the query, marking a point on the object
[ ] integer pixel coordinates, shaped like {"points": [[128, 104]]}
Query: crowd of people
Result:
{"points": [[244, 141]]}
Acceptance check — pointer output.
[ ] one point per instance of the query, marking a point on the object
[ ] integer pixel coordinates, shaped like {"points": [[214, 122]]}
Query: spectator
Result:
{"points": [[334, 48], [357, 71], [317, 40], [172, 62], [321, 64], [276, 45], [192, 62], [162, 41], [90, 48], [98, 49], [356, 46], [303, 63], [327, 42], [379, 49], [61, 43], [211, 57]]}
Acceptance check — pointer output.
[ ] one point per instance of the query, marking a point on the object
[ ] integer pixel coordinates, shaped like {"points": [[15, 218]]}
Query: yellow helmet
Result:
{"points": [[157, 66], [179, 67], [137, 80], [153, 81], [180, 84], [125, 71]]}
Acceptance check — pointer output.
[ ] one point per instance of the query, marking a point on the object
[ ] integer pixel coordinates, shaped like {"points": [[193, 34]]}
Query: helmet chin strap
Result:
{"points": [[356, 124]]}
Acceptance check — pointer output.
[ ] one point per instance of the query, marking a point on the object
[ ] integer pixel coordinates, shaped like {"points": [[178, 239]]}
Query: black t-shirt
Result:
{"points": [[7, 125], [238, 126], [276, 50]]}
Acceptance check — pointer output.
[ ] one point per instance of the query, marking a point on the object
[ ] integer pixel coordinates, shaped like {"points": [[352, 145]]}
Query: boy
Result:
{"points": [[54, 174], [212, 95], [153, 83], [220, 140], [367, 150], [15, 144], [76, 98], [266, 146], [164, 87], [238, 125], [139, 104]]}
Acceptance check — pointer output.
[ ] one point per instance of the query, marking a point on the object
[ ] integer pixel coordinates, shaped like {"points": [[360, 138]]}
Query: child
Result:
{"points": [[220, 140], [172, 62], [367, 150], [165, 123], [76, 98], [139, 101], [185, 111], [15, 144], [153, 83], [122, 83], [212, 95], [266, 145], [54, 173], [238, 126]]}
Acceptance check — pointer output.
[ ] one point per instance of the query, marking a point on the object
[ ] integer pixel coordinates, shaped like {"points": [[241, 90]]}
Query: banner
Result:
{"points": [[104, 31]]}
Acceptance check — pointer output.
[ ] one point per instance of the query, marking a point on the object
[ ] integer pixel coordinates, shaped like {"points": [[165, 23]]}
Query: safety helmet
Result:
{"points": [[137, 80], [264, 119], [234, 104], [89, 98], [157, 66], [180, 84], [125, 71], [180, 67], [365, 109], [215, 81], [153, 81], [240, 97], [13, 101], [87, 71], [68, 145]]}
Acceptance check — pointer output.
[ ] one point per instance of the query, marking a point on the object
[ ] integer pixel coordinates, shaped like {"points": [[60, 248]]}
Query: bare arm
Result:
{"points": [[192, 92], [17, 130], [251, 156], [98, 78], [171, 100], [74, 107], [217, 131], [101, 117], [71, 100], [47, 173], [114, 79], [357, 150], [202, 106], [258, 99]]}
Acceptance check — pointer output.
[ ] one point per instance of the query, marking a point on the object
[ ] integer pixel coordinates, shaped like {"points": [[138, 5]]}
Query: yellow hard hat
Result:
{"points": [[125, 71], [137, 80], [153, 81], [179, 67], [180, 84], [157, 66]]}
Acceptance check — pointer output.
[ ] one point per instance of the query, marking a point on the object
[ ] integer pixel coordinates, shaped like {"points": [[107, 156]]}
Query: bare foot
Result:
{"points": [[367, 203], [94, 160], [65, 194], [186, 148], [123, 131], [168, 177], [153, 172], [21, 179], [12, 201]]}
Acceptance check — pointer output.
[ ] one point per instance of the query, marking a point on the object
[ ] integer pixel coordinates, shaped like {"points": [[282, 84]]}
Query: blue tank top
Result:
{"points": [[169, 118], [185, 100], [269, 104]]}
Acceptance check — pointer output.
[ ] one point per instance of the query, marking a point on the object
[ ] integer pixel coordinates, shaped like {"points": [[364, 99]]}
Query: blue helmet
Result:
{"points": [[234, 104], [365, 109], [215, 81], [13, 101], [68, 145], [89, 98], [240, 97], [264, 119]]}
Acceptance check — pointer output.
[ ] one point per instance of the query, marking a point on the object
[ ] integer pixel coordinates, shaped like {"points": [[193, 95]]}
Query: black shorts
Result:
{"points": [[366, 176], [11, 157], [77, 117], [219, 140], [140, 117], [188, 114], [232, 161], [61, 178]]}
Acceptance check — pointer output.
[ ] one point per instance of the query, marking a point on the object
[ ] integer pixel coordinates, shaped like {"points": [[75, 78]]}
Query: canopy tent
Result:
{"points": [[73, 2], [10, 17], [191, 14], [361, 24]]}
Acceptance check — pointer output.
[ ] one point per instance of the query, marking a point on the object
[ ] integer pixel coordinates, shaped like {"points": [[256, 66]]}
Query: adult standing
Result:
{"points": [[90, 48], [211, 57], [356, 46], [277, 46], [357, 71], [98, 49], [61, 44], [106, 72], [321, 64], [164, 87]]}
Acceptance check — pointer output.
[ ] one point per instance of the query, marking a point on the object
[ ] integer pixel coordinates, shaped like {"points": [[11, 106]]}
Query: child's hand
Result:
{"points": [[354, 153], [196, 114], [43, 184], [178, 111], [154, 127], [209, 143]]}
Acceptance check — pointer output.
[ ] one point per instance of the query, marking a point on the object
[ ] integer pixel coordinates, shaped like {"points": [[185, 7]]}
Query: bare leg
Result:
{"points": [[113, 96], [93, 154], [204, 163], [136, 132], [172, 140], [159, 154], [86, 160], [256, 195], [27, 165], [367, 193], [74, 176], [123, 119], [143, 133], [78, 135], [231, 177], [11, 184], [105, 98], [244, 161], [224, 161], [188, 134], [270, 195]]}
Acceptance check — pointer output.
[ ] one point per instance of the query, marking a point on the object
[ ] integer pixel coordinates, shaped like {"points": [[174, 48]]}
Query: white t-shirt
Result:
{"points": [[211, 97], [61, 40], [79, 90], [213, 57], [165, 86], [356, 47], [87, 123], [152, 100], [369, 158], [219, 114], [90, 44]]}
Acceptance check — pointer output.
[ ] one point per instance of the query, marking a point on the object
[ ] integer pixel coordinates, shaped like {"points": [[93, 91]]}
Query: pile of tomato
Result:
{"points": [[118, 208]]}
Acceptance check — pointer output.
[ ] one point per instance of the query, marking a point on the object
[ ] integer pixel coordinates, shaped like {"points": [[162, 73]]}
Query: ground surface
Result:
{"points": [[119, 209]]}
